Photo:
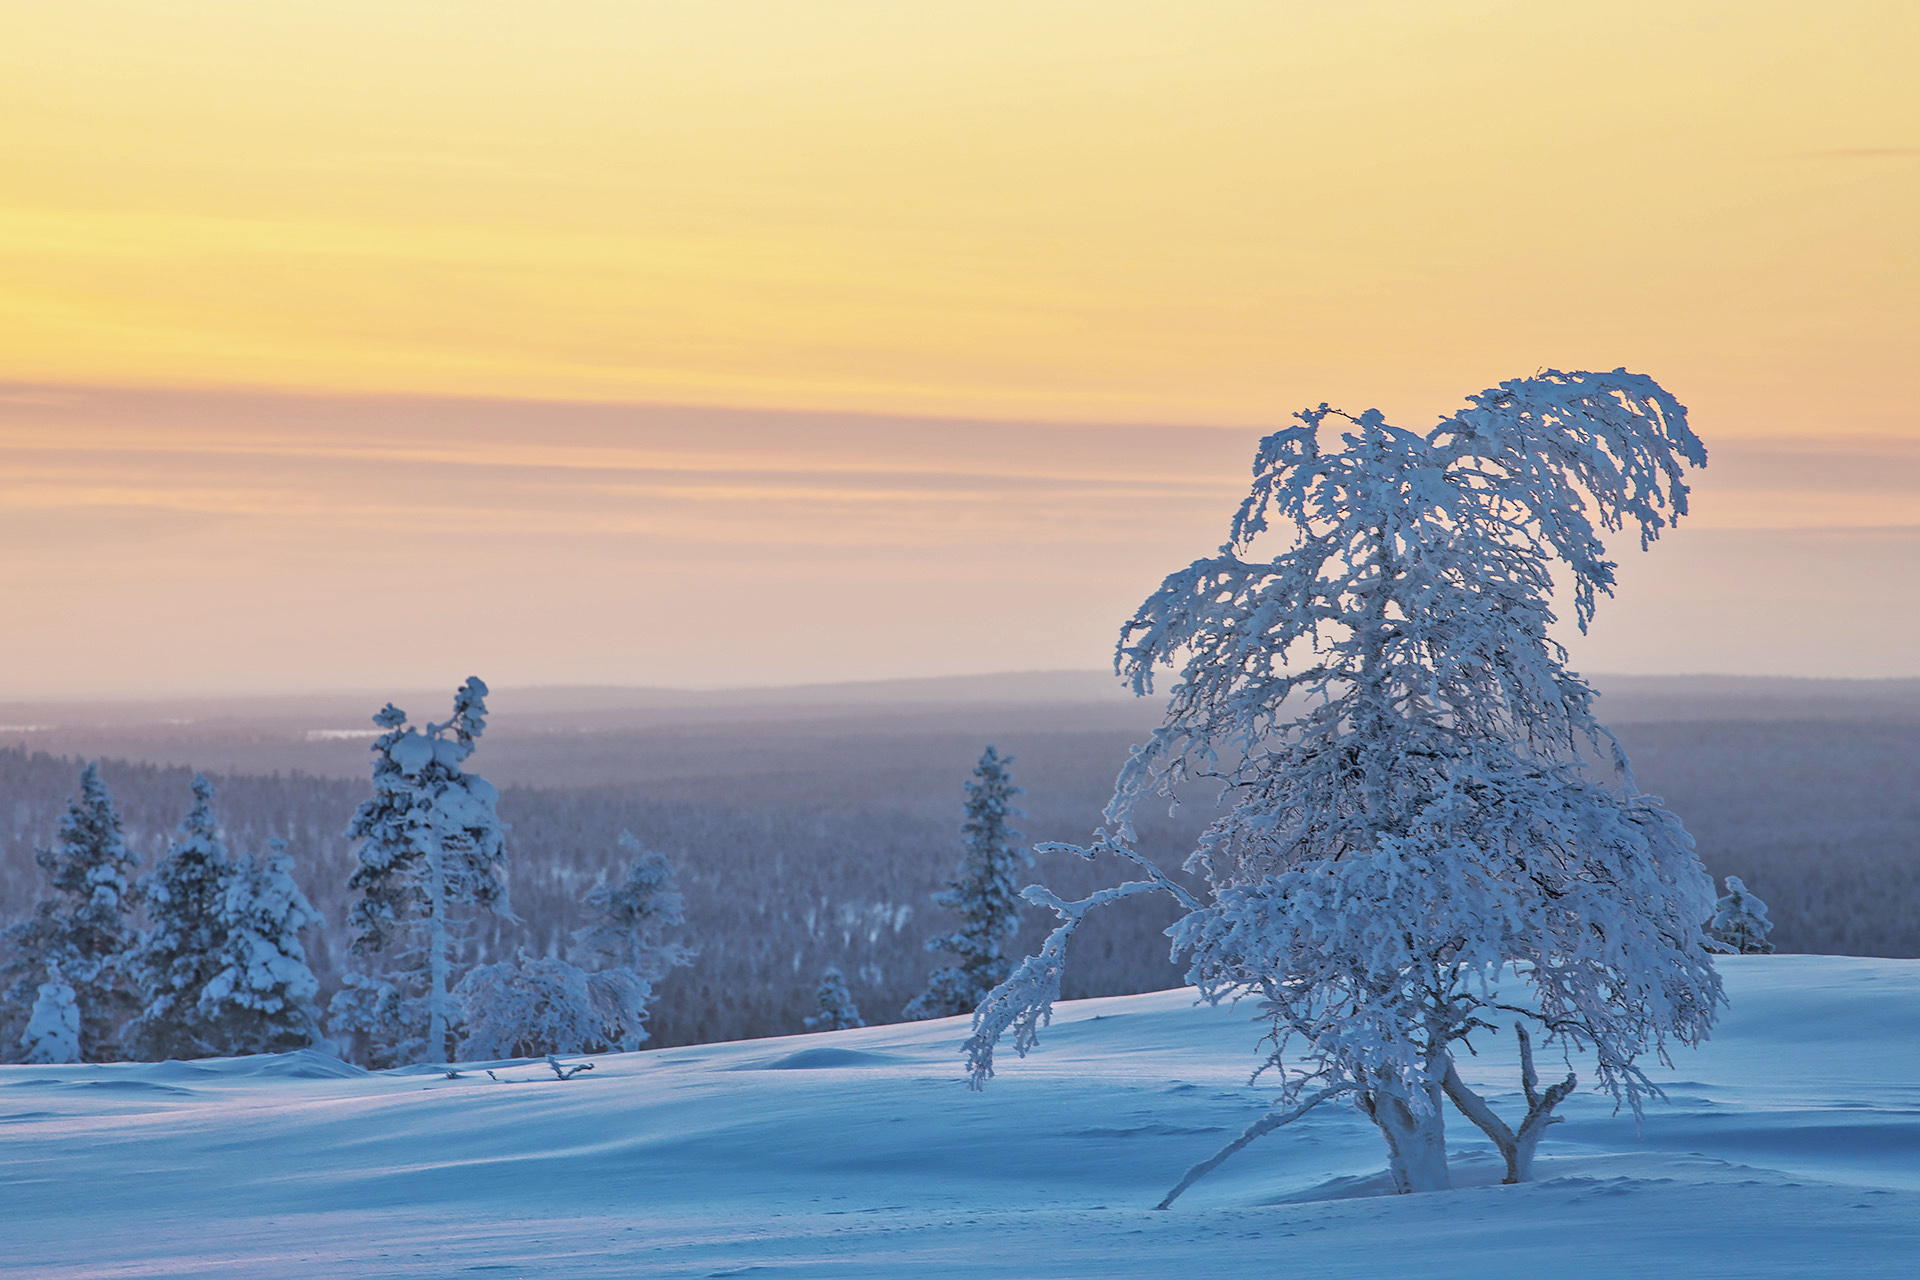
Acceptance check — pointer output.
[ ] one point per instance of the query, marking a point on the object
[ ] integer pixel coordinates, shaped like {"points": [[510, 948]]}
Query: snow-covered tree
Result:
{"points": [[630, 918], [81, 924], [984, 892], [259, 996], [1740, 923], [1416, 835], [367, 1018], [531, 1006], [838, 1012], [53, 1030], [429, 840], [174, 958]]}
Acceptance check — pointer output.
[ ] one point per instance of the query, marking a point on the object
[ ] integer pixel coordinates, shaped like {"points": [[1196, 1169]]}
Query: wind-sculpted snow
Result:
{"points": [[1790, 1148]]}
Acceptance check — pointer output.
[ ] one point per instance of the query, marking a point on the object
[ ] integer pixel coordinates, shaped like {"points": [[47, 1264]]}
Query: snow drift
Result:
{"points": [[1790, 1146]]}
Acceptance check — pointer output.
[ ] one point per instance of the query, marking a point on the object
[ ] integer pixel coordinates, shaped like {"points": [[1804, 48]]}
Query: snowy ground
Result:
{"points": [[1791, 1147]]}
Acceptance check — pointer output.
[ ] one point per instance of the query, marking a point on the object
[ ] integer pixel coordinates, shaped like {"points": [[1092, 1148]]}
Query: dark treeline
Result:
{"points": [[812, 841]]}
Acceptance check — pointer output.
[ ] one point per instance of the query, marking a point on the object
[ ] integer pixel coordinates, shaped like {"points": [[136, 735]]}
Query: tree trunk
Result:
{"points": [[436, 955], [1416, 1142], [1515, 1148]]}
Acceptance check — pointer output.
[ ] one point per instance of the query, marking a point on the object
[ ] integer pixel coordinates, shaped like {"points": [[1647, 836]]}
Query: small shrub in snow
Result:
{"points": [[53, 1031], [837, 1009], [1740, 923], [1401, 756], [532, 1006], [985, 893], [429, 840]]}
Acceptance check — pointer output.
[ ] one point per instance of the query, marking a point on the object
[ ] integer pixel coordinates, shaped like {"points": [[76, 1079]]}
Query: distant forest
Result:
{"points": [[811, 830]]}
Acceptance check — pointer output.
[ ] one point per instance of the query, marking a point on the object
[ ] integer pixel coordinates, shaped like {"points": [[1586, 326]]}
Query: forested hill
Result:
{"points": [[812, 825]]}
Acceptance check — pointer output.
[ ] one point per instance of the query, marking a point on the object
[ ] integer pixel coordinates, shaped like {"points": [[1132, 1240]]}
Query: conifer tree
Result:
{"points": [[53, 1030], [1401, 756], [430, 840], [259, 997], [1740, 923], [367, 1018], [985, 893], [174, 958], [81, 924], [630, 917], [837, 1009]]}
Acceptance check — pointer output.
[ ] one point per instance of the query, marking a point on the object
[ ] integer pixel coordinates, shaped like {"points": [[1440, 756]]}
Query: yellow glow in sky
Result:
{"points": [[357, 344], [1195, 212]]}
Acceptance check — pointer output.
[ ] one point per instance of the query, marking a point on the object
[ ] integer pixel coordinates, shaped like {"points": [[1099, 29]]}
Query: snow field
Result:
{"points": [[1791, 1147]]}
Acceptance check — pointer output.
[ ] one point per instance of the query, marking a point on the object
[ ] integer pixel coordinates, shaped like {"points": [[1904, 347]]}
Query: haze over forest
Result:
{"points": [[811, 825]]}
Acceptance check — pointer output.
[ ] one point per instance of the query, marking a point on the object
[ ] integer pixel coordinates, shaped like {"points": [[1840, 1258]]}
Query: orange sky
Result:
{"points": [[1199, 215]]}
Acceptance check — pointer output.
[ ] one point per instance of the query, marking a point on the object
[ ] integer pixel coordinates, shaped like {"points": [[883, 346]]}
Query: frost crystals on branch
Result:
{"points": [[430, 840], [1409, 815], [983, 892]]}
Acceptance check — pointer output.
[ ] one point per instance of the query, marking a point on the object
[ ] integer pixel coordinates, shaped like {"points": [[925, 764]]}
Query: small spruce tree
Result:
{"points": [[985, 894], [430, 840], [53, 1031], [176, 955], [81, 924], [631, 917], [259, 997], [367, 1019], [1740, 923], [837, 1009]]}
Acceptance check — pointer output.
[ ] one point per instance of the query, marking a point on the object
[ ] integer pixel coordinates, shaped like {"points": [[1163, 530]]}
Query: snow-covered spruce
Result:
{"points": [[53, 1029], [259, 998], [631, 917], [430, 840], [1740, 923], [176, 954], [838, 1012], [532, 1006], [1411, 824], [985, 894], [81, 924]]}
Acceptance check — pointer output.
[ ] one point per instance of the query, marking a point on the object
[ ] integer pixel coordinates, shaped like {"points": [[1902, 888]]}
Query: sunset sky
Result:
{"points": [[349, 345]]}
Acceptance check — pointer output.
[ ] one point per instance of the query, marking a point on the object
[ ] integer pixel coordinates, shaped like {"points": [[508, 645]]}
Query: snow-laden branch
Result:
{"points": [[1264, 1125], [1024, 1002]]}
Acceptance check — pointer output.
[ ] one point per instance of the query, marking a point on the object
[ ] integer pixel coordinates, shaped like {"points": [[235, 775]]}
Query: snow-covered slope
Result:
{"points": [[1791, 1147]]}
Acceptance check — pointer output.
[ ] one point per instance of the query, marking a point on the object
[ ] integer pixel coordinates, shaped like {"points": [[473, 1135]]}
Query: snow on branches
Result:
{"points": [[533, 1006], [429, 839], [1740, 923], [838, 1012], [983, 892], [1406, 768], [82, 923]]}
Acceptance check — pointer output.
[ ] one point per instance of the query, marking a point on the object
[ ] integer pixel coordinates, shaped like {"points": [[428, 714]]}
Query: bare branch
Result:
{"points": [[1264, 1125]]}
